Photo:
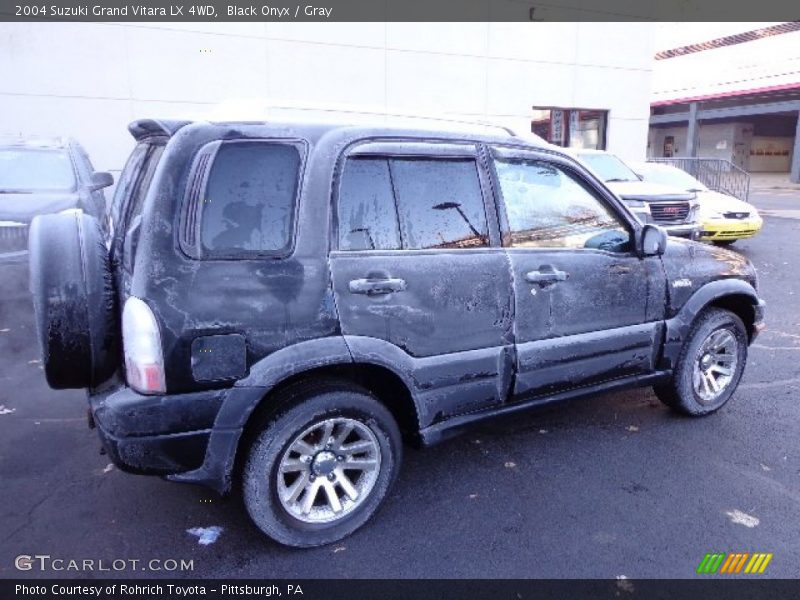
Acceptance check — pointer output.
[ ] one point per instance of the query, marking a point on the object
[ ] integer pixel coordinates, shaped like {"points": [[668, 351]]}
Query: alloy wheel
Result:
{"points": [[328, 470]]}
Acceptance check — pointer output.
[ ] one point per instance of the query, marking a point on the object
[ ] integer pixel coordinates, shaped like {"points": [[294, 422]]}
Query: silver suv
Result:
{"points": [[672, 208]]}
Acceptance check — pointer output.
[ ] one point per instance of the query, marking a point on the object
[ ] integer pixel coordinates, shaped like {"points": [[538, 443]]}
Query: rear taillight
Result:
{"points": [[144, 361]]}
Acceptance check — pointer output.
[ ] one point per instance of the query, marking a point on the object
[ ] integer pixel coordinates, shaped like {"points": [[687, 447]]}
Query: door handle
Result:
{"points": [[545, 275], [376, 287]]}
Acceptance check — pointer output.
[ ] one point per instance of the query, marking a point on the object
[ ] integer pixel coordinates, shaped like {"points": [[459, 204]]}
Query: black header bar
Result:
{"points": [[150, 11]]}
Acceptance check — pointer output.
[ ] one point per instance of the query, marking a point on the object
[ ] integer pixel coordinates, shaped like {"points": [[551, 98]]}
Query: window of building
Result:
{"points": [[548, 208], [248, 204], [411, 203], [571, 127]]}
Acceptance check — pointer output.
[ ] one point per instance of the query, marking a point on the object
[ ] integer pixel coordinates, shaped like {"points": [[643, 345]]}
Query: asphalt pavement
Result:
{"points": [[611, 486]]}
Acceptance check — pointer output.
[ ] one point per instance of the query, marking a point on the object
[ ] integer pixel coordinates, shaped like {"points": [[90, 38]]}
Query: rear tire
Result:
{"points": [[298, 488], [73, 299], [710, 365]]}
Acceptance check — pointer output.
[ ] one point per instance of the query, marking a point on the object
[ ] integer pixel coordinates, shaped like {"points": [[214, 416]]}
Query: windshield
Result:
{"points": [[27, 169], [608, 167], [672, 176]]}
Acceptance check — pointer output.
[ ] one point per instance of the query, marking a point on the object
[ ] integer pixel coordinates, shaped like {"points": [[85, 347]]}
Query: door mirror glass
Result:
{"points": [[654, 240], [101, 179]]}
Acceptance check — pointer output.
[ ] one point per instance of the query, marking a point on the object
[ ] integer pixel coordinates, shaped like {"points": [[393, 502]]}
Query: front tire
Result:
{"points": [[321, 467], [710, 365]]}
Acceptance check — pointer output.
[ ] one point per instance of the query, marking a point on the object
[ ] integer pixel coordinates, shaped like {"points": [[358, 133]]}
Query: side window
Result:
{"points": [[549, 208], [125, 186], [367, 215], [137, 200], [136, 185], [249, 198], [411, 203], [439, 203]]}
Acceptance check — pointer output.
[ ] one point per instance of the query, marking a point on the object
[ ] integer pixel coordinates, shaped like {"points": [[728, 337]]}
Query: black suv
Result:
{"points": [[279, 303]]}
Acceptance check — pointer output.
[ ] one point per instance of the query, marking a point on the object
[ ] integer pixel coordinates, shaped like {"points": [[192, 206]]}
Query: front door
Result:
{"points": [[419, 277], [581, 292]]}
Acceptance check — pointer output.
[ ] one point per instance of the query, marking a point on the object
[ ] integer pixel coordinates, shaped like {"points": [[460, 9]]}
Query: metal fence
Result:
{"points": [[716, 173]]}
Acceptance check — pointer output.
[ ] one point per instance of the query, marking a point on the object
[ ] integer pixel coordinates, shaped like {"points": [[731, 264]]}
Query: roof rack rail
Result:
{"points": [[504, 128], [379, 113]]}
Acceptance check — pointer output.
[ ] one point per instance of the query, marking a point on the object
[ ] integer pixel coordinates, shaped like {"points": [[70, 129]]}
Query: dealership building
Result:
{"points": [[577, 84], [729, 91]]}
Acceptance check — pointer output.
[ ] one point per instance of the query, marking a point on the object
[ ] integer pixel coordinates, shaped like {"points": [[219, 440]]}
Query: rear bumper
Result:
{"points": [[155, 435]]}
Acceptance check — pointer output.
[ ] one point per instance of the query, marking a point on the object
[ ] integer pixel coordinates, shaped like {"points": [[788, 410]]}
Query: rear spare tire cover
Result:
{"points": [[73, 300]]}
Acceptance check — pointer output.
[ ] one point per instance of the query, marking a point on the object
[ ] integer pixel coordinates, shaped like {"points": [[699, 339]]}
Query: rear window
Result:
{"points": [[248, 200], [25, 169]]}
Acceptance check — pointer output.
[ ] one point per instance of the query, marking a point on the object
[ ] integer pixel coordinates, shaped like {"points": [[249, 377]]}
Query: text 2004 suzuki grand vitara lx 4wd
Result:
{"points": [[281, 301]]}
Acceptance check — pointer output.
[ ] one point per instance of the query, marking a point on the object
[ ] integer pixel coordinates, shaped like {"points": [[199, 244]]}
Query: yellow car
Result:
{"points": [[723, 219]]}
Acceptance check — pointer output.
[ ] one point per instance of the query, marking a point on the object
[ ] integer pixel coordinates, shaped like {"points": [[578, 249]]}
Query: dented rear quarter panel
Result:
{"points": [[273, 302]]}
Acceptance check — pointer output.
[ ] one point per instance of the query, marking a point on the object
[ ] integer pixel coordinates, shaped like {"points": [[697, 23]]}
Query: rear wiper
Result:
{"points": [[15, 192], [616, 179]]}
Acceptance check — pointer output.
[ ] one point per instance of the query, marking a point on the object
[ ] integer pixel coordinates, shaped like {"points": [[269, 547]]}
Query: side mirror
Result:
{"points": [[100, 180], [653, 240]]}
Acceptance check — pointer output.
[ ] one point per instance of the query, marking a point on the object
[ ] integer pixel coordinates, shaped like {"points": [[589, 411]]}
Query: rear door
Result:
{"points": [[419, 277], [581, 292]]}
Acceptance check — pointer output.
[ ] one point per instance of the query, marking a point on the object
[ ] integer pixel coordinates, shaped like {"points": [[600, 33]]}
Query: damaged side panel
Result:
{"points": [[697, 275], [448, 329], [446, 384], [269, 302], [590, 326], [576, 360]]}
